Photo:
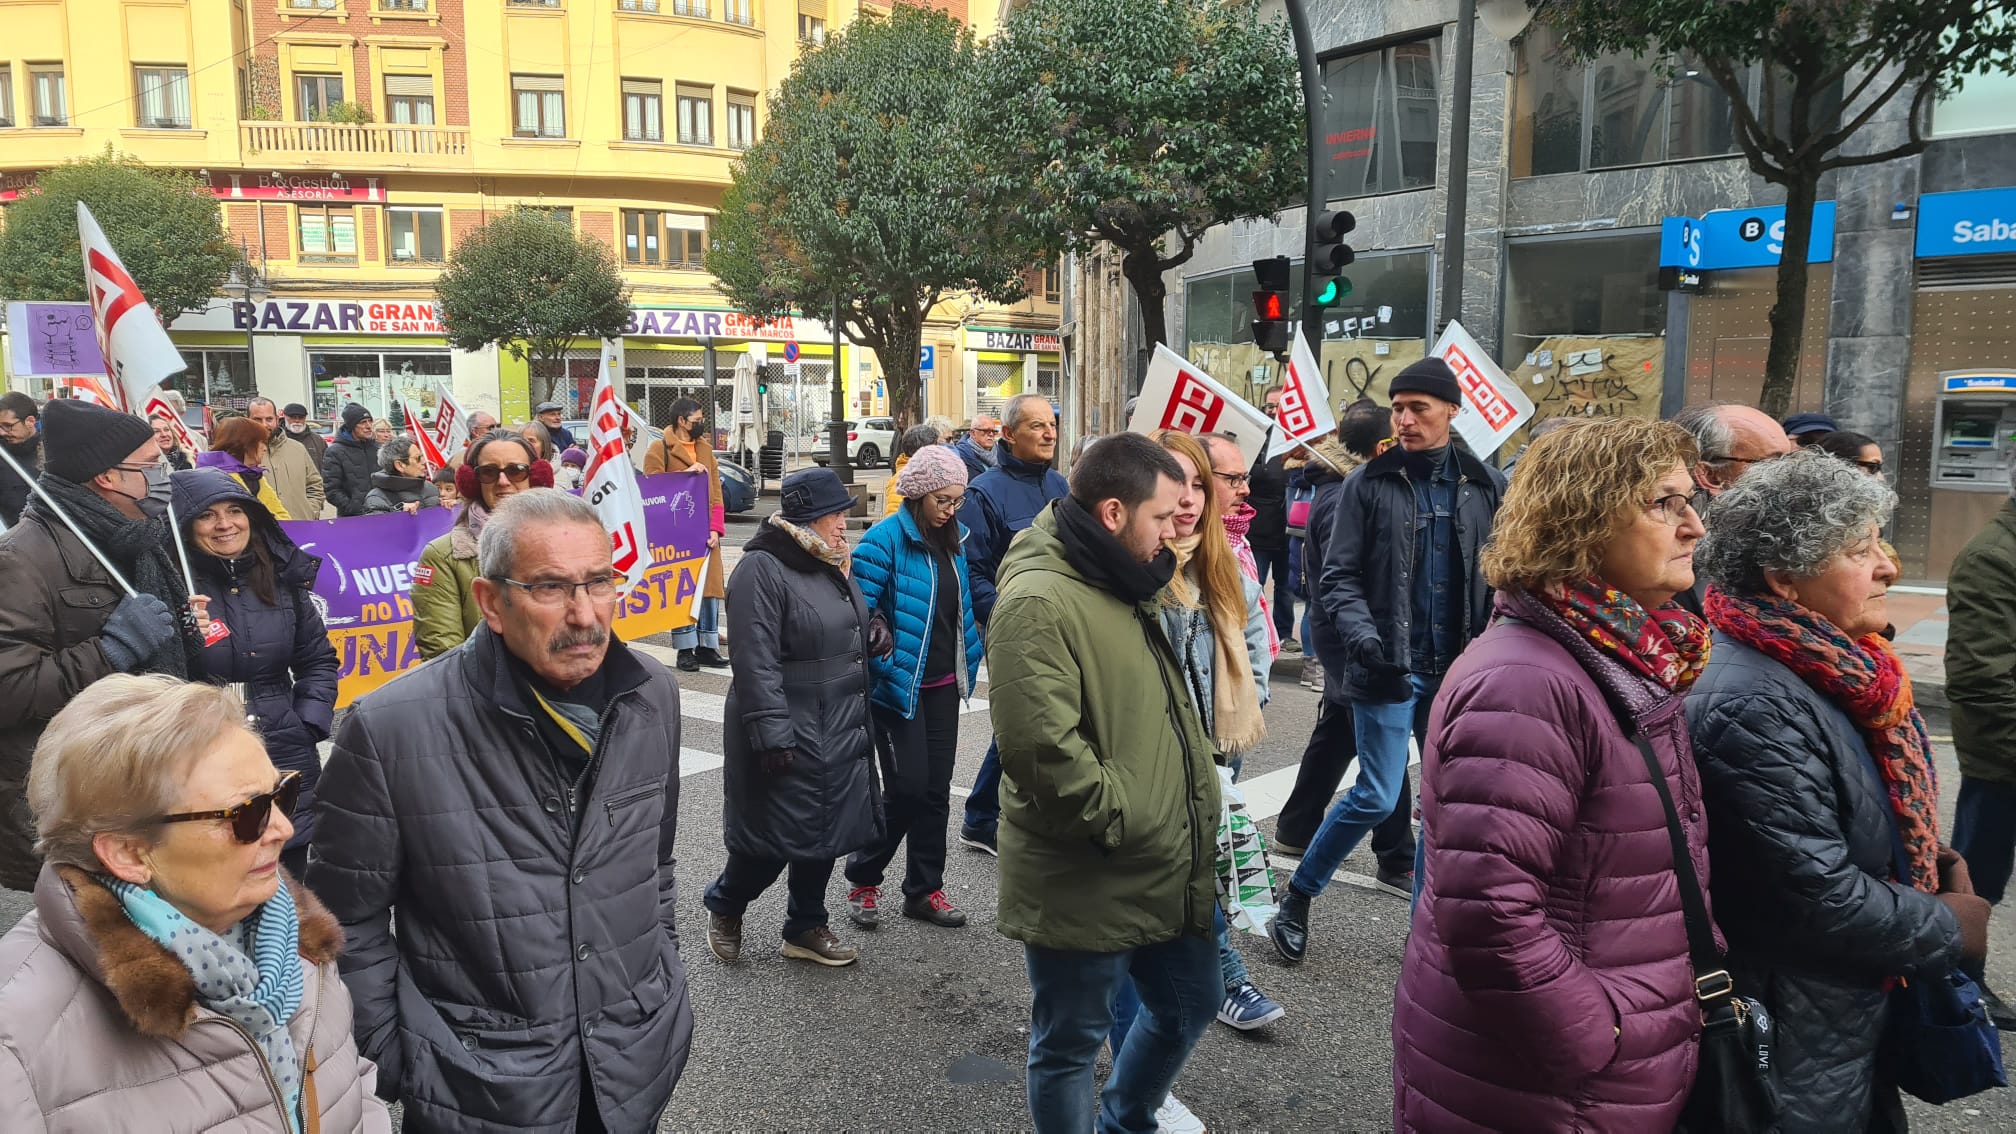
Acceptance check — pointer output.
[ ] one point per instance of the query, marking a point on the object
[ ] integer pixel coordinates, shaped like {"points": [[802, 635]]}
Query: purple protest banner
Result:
{"points": [[365, 588], [53, 340]]}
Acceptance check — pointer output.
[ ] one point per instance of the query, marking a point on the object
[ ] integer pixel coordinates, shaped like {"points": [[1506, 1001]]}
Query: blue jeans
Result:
{"points": [[1984, 832], [1071, 1015], [1381, 730], [983, 803], [705, 631]]}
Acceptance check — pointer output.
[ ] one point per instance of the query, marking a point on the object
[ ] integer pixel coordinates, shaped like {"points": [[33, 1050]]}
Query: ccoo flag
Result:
{"points": [[451, 422], [138, 355], [1177, 395], [610, 483], [1305, 412]]}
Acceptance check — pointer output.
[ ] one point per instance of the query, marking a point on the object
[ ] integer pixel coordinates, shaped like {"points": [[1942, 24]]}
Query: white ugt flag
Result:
{"points": [[1177, 395], [138, 355], [1305, 412], [611, 483]]}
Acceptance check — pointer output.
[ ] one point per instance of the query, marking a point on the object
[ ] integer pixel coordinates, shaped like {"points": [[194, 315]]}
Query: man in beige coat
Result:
{"points": [[289, 468]]}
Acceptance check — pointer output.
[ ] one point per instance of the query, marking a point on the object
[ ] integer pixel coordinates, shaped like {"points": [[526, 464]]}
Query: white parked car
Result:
{"points": [[870, 441]]}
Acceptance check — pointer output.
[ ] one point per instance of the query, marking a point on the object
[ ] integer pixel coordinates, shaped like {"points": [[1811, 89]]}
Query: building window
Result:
{"points": [[163, 97], [690, 8], [811, 29], [741, 121], [1984, 104], [738, 12], [328, 234], [533, 3], [644, 110], [673, 240], [1599, 285], [1381, 132], [1052, 283], [409, 100], [417, 235], [638, 5], [560, 214], [315, 94], [696, 116], [1388, 300], [402, 5], [311, 5], [52, 105], [539, 106], [6, 96]]}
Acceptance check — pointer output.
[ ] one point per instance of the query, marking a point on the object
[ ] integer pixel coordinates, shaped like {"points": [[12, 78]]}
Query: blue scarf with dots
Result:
{"points": [[255, 980]]}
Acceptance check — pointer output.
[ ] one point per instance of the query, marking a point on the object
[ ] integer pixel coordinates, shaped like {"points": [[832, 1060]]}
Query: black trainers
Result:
{"points": [[935, 908], [724, 936], [821, 948], [1290, 927], [1999, 1013], [1398, 882], [979, 840], [712, 659], [688, 663]]}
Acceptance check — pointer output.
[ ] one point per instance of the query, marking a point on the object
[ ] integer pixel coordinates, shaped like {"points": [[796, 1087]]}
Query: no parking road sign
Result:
{"points": [[791, 352]]}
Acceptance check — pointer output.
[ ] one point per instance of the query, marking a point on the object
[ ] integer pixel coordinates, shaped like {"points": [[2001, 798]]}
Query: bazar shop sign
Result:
{"points": [[1978, 222], [1741, 238], [1022, 342], [316, 317], [703, 323]]}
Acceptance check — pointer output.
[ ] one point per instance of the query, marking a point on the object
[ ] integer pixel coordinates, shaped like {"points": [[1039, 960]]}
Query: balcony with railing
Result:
{"points": [[368, 145]]}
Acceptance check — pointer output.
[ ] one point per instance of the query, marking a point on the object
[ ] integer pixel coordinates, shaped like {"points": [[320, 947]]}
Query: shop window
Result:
{"points": [[374, 380], [539, 106], [6, 96], [1984, 104], [417, 235], [672, 240], [52, 103], [220, 379], [1381, 130], [315, 94], [162, 97], [741, 120], [1602, 285], [643, 110], [328, 234], [696, 116]]}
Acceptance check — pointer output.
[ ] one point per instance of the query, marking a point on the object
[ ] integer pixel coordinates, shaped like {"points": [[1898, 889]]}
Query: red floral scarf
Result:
{"points": [[1867, 681], [1667, 645]]}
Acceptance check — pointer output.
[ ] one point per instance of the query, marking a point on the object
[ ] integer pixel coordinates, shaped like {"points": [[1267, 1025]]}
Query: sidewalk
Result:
{"points": [[1921, 620]]}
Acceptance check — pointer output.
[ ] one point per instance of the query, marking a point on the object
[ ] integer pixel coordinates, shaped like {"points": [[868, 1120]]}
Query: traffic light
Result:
{"points": [[762, 386], [1329, 257], [1270, 304]]}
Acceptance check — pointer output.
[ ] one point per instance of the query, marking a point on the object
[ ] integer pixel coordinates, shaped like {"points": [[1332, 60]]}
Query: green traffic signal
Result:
{"points": [[1335, 289]]}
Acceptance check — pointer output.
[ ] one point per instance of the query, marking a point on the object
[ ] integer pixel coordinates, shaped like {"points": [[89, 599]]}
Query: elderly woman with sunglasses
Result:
{"points": [[172, 976], [445, 613]]}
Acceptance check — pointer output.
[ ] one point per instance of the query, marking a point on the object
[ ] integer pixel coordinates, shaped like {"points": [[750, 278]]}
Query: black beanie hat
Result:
{"points": [[353, 416], [1430, 376], [82, 439]]}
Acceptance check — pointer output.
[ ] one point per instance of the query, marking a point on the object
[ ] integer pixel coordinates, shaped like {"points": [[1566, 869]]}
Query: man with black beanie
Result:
{"points": [[1401, 595], [65, 622], [21, 437], [350, 461]]}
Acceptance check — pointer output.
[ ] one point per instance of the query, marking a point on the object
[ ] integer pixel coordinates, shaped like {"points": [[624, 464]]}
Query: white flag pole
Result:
{"points": [[57, 509], [181, 551]]}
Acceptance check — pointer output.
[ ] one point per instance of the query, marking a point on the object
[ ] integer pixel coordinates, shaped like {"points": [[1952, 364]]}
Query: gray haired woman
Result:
{"points": [[1815, 766], [172, 977]]}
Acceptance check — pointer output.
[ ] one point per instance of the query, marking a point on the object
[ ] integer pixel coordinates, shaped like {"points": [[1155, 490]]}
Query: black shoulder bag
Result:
{"points": [[1734, 1090]]}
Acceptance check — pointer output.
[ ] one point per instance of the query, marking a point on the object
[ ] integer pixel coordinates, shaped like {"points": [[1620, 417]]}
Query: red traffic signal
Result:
{"points": [[1269, 305]]}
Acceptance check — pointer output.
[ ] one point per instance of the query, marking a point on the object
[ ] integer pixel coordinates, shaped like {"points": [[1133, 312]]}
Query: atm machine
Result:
{"points": [[1975, 418]]}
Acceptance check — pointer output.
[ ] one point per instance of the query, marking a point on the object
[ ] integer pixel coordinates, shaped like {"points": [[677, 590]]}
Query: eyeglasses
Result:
{"points": [[1232, 479], [1270, 410], [517, 473], [1873, 468], [249, 819], [1673, 509], [143, 468], [985, 432], [599, 589], [947, 500], [1744, 460]]}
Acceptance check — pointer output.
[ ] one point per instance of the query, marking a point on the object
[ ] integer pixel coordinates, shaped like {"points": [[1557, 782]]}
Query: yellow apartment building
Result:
{"points": [[354, 142]]}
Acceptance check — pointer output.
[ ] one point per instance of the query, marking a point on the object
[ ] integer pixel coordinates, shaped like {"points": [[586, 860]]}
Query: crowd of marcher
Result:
{"points": [[1672, 780]]}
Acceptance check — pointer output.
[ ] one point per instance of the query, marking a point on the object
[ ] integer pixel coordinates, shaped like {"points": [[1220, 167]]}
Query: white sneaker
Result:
{"points": [[1172, 1117]]}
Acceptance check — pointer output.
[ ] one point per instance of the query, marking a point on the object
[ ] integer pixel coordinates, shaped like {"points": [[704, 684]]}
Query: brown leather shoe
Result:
{"points": [[820, 947], [724, 936]]}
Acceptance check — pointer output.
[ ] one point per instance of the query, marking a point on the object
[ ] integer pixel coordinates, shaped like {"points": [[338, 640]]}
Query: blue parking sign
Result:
{"points": [[927, 358]]}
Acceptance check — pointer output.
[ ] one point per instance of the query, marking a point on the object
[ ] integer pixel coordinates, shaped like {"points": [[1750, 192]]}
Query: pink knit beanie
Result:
{"points": [[930, 469]]}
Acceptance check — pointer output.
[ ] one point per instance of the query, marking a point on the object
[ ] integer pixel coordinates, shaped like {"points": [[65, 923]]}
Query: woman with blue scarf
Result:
{"points": [[172, 976]]}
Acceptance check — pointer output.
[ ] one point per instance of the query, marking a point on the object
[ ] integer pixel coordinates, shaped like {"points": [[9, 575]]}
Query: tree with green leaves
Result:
{"points": [[166, 226], [527, 283], [1140, 122], [857, 194], [1828, 69]]}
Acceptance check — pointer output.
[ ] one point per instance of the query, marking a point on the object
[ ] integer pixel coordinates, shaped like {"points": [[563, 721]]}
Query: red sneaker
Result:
{"points": [[935, 908], [861, 906]]}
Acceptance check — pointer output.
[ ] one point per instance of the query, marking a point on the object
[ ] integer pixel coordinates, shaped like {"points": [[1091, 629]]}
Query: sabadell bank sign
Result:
{"points": [[1979, 222], [374, 317]]}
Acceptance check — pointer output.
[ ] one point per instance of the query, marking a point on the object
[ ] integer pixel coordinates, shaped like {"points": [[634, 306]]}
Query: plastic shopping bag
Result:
{"points": [[1245, 884]]}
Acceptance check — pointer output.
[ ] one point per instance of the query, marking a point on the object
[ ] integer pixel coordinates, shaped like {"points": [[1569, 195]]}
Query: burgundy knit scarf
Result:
{"points": [[1867, 681]]}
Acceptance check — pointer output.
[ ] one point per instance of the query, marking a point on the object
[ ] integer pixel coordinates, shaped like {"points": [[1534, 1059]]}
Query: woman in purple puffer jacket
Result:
{"points": [[1547, 984]]}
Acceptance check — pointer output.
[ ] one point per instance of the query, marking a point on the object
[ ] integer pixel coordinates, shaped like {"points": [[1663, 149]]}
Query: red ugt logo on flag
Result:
{"points": [[1192, 407], [113, 294]]}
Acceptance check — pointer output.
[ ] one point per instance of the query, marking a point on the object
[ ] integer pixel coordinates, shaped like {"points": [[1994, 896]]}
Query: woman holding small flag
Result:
{"points": [[264, 632]]}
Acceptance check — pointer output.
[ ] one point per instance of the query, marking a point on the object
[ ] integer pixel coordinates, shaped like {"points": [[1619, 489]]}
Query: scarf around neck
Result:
{"points": [[140, 548], [1865, 679], [1237, 524], [1667, 645], [838, 558], [253, 977], [1236, 723], [1098, 555]]}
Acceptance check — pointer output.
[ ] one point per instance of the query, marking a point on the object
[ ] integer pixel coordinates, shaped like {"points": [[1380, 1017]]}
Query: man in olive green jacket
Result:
{"points": [[1981, 685], [1109, 797]]}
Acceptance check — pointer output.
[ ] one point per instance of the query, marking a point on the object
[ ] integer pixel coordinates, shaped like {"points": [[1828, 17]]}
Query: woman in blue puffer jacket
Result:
{"points": [[911, 568]]}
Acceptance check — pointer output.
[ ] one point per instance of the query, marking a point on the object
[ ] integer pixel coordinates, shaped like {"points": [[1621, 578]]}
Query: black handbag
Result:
{"points": [[1734, 1089]]}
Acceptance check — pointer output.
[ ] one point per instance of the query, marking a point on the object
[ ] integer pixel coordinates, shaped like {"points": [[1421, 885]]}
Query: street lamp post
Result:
{"points": [[248, 284]]}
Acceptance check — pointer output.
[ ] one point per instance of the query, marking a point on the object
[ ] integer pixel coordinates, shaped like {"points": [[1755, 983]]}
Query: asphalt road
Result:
{"points": [[929, 1030]]}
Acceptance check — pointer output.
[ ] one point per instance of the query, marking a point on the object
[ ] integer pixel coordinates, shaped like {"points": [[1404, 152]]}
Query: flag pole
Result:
{"points": [[43, 494], [181, 551]]}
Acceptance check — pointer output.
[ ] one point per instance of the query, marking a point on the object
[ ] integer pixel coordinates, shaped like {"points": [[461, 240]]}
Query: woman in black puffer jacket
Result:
{"points": [[266, 631]]}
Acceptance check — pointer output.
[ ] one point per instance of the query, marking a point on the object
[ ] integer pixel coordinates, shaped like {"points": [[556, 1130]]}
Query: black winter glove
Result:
{"points": [[140, 625], [881, 643], [777, 761]]}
